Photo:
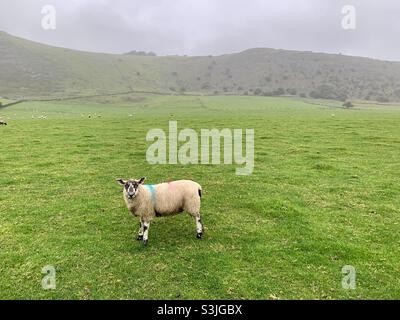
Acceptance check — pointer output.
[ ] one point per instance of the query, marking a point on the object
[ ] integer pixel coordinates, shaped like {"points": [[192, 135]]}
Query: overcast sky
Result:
{"points": [[202, 27]]}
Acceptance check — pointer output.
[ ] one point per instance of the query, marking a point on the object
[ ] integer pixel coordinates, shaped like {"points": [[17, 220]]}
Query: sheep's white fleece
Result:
{"points": [[166, 199]]}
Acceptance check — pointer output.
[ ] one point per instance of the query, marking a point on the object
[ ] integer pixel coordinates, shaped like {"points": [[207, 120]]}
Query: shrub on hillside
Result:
{"points": [[257, 92], [205, 86], [348, 104], [278, 92], [141, 53]]}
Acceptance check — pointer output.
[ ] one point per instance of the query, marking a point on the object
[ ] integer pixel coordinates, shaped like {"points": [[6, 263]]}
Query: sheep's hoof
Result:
{"points": [[145, 242], [199, 235], [139, 237]]}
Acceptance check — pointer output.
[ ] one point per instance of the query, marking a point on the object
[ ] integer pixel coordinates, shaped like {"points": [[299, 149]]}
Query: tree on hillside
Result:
{"points": [[278, 92], [348, 105], [141, 53], [205, 86], [257, 92]]}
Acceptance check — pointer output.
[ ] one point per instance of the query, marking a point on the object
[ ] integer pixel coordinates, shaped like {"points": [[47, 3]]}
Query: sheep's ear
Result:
{"points": [[142, 180], [121, 182]]}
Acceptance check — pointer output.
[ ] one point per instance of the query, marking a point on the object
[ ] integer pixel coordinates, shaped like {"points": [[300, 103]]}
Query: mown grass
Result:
{"points": [[324, 194]]}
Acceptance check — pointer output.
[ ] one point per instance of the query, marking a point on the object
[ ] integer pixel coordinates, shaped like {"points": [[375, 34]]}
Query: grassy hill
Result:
{"points": [[33, 70]]}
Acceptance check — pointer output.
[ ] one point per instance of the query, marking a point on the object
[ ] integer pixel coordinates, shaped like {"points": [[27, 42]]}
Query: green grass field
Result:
{"points": [[324, 194]]}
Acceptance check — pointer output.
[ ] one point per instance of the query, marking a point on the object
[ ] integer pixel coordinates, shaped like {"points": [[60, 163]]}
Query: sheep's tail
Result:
{"points": [[199, 190]]}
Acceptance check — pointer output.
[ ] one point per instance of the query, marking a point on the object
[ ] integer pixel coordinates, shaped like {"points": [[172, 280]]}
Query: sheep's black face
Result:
{"points": [[131, 187]]}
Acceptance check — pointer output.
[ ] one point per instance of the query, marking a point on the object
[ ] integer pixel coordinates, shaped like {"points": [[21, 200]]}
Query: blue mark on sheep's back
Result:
{"points": [[152, 190]]}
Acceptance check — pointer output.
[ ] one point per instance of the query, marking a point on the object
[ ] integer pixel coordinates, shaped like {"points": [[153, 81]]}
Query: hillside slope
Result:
{"points": [[33, 70]]}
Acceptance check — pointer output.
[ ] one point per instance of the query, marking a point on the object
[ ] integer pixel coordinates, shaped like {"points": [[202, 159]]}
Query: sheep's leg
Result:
{"points": [[146, 226], [199, 226], [140, 234]]}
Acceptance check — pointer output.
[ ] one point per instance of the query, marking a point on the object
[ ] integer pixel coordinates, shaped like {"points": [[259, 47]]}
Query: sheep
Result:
{"points": [[3, 123], [163, 199]]}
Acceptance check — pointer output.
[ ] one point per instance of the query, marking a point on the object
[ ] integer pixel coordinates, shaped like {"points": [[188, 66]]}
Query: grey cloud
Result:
{"points": [[201, 27]]}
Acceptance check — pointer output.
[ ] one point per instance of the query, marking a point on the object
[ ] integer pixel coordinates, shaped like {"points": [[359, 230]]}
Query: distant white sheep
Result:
{"points": [[164, 199], [3, 123]]}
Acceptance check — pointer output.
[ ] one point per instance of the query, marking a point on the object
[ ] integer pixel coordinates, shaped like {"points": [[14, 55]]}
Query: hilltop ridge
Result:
{"points": [[33, 70]]}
